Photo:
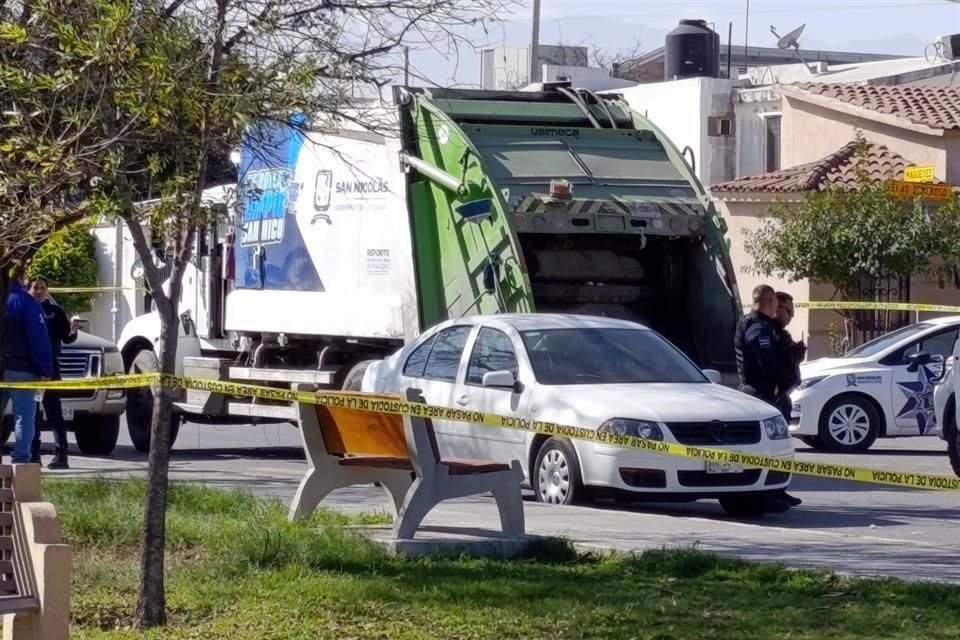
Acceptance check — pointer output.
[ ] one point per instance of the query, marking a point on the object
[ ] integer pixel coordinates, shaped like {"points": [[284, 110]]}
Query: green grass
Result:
{"points": [[238, 569]]}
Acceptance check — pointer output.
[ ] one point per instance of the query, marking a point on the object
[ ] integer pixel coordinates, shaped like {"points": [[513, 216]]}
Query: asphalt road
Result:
{"points": [[851, 527]]}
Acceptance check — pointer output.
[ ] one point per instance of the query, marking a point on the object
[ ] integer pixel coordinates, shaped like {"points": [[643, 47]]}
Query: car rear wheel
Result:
{"points": [[354, 379], [96, 435], [140, 405], [556, 476], [748, 505], [849, 424]]}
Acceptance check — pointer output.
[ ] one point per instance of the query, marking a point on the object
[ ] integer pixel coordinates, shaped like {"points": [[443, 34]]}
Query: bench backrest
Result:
{"points": [[363, 433]]}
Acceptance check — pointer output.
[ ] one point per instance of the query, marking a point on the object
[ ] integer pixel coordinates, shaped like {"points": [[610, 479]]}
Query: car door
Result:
{"points": [[434, 368], [493, 350], [912, 391]]}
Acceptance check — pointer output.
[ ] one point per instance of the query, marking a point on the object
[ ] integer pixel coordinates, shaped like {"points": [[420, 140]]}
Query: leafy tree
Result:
{"points": [[155, 94], [68, 258], [840, 235]]}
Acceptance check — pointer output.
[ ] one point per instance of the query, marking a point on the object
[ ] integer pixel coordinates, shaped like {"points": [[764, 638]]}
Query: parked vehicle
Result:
{"points": [[93, 415], [606, 374], [349, 244], [945, 408], [883, 388]]}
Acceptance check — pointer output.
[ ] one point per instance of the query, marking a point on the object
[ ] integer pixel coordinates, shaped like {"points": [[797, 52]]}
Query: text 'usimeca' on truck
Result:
{"points": [[346, 244]]}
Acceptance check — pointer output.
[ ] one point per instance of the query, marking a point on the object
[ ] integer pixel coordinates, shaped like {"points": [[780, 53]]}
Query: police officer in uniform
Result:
{"points": [[764, 369]]}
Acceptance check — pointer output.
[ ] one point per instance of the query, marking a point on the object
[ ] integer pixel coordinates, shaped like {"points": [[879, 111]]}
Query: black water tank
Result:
{"points": [[692, 50]]}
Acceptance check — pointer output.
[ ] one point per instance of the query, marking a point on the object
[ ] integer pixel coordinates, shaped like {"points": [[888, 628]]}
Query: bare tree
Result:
{"points": [[173, 87]]}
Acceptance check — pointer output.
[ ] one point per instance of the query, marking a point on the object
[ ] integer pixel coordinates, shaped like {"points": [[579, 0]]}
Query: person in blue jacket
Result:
{"points": [[28, 357]]}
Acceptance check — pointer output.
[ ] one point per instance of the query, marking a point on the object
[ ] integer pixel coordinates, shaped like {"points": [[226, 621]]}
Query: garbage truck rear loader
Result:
{"points": [[344, 245]]}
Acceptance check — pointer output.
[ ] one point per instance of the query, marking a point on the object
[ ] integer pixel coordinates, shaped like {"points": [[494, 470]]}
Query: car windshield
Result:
{"points": [[875, 346], [606, 356]]}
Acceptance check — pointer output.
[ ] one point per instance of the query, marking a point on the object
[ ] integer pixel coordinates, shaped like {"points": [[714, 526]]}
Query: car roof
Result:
{"points": [[547, 321], [942, 320]]}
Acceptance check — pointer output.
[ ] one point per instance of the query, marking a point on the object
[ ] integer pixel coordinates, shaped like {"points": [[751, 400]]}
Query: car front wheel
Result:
{"points": [[849, 424], [556, 476], [96, 435], [748, 505]]}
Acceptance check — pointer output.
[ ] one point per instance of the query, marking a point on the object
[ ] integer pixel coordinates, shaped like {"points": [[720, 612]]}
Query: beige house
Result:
{"points": [[905, 125]]}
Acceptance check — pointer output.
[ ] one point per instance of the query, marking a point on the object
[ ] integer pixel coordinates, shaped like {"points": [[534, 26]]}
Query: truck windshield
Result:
{"points": [[606, 356]]}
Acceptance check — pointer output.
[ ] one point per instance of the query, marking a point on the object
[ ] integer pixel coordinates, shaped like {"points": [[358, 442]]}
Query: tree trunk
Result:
{"points": [[151, 608]]}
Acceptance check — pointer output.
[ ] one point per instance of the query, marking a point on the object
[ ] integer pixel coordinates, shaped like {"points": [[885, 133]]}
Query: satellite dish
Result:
{"points": [[789, 40]]}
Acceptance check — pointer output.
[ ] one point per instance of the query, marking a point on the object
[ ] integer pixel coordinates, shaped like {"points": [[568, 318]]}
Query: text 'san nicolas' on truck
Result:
{"points": [[345, 245]]}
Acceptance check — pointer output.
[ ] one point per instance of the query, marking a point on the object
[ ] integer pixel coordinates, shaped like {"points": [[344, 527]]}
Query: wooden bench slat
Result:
{"points": [[6, 519], [465, 467], [377, 462], [6, 495], [6, 543], [6, 471]]}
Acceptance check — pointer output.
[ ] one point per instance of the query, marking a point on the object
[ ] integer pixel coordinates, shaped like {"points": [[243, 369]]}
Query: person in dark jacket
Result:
{"points": [[28, 357], [763, 370], [61, 331], [792, 352]]}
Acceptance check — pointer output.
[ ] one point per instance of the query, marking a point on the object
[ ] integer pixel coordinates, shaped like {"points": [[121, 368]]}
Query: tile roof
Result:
{"points": [[934, 107], [838, 168]]}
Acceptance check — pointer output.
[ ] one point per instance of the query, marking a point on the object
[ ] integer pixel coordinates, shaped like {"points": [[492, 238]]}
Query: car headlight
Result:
{"points": [[776, 428], [635, 428], [809, 382]]}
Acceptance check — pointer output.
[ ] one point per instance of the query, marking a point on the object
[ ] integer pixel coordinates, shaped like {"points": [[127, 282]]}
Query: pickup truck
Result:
{"points": [[92, 414]]}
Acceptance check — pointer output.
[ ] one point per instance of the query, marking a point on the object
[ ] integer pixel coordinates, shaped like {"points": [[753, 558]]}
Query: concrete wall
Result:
{"points": [[584, 77], [811, 132], [813, 326], [749, 108], [744, 217], [680, 109]]}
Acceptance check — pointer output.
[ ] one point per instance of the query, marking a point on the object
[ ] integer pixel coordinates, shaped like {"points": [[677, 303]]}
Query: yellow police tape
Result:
{"points": [[877, 306], [395, 406]]}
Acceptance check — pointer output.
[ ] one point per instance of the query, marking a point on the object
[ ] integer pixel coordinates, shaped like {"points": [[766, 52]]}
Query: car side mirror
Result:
{"points": [[501, 380], [713, 376], [917, 360]]}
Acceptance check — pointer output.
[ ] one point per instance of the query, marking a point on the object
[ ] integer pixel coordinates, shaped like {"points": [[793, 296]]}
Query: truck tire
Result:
{"points": [[140, 405], [354, 379], [96, 435]]}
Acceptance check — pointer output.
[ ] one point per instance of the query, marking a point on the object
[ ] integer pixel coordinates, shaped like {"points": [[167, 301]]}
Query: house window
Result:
{"points": [[718, 126], [772, 142]]}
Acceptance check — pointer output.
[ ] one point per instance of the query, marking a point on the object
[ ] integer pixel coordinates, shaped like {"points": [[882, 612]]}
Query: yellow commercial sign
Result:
{"points": [[913, 189], [918, 173]]}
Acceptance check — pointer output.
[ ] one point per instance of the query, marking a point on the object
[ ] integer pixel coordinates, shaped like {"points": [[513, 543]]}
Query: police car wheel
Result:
{"points": [[849, 423], [952, 436]]}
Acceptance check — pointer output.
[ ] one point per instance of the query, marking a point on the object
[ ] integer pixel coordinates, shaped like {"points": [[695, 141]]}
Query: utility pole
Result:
{"points": [[746, 36], [535, 43]]}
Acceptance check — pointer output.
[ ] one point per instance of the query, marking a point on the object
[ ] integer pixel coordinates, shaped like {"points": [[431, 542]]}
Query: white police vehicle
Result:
{"points": [[883, 388]]}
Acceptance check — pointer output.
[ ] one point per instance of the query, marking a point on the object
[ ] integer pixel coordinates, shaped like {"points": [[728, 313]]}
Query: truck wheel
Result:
{"points": [[849, 424], [140, 405], [354, 379], [748, 505], [96, 435]]}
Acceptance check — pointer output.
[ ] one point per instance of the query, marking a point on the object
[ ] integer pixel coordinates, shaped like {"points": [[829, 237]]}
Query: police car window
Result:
{"points": [[444, 359], [493, 351], [417, 360], [939, 344], [887, 340]]}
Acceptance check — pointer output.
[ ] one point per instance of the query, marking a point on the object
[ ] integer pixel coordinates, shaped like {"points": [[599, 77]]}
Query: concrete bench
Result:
{"points": [[347, 447], [34, 562]]}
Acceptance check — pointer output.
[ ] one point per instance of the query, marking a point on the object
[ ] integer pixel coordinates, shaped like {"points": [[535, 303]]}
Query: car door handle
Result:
{"points": [[462, 400]]}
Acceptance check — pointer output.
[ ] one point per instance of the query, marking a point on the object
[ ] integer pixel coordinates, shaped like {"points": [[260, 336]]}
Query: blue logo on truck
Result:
{"points": [[273, 253]]}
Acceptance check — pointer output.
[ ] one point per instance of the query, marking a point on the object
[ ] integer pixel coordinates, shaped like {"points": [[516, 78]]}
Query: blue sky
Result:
{"points": [[876, 26]]}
